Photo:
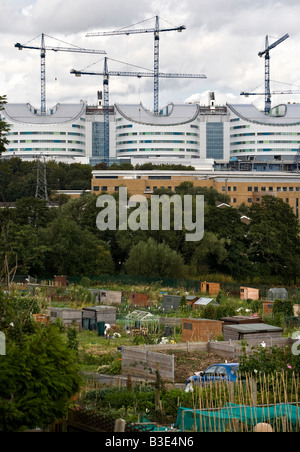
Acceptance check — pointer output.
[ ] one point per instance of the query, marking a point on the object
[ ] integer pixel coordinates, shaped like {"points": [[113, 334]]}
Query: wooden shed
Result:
{"points": [[210, 287], [249, 293], [268, 307], [69, 317], [240, 320], [138, 299], [171, 302], [94, 314], [205, 330], [251, 331], [108, 297], [191, 299], [60, 281]]}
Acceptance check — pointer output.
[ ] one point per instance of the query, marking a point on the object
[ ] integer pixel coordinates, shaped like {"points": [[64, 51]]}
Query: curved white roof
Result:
{"points": [[289, 114], [61, 113], [171, 115]]}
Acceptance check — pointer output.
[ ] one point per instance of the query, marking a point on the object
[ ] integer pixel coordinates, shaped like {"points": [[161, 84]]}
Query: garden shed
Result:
{"points": [[171, 302], [268, 307], [194, 330], [191, 299], [251, 331], [240, 320], [203, 302], [95, 314], [60, 281], [248, 293], [277, 293], [69, 317], [108, 297], [139, 299], [210, 287]]}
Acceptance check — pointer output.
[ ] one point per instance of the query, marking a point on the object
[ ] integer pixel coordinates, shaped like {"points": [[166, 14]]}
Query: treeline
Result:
{"points": [[144, 167], [43, 242], [18, 178]]}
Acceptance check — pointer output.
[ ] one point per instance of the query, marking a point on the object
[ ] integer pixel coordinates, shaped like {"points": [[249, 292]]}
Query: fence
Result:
{"points": [[143, 363]]}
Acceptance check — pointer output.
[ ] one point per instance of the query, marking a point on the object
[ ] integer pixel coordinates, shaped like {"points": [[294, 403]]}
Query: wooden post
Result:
{"points": [[157, 389], [120, 425], [254, 390]]}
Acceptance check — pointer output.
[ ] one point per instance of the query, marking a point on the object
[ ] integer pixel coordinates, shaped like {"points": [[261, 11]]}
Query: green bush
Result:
{"points": [[269, 360]]}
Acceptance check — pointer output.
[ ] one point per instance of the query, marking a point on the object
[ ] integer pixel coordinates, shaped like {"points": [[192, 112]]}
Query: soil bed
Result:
{"points": [[186, 363]]}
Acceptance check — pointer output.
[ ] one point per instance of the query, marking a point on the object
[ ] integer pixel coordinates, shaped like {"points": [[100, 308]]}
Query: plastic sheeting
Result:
{"points": [[282, 417]]}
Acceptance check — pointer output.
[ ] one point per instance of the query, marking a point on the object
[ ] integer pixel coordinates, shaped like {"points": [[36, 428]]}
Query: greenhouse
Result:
{"points": [[142, 321]]}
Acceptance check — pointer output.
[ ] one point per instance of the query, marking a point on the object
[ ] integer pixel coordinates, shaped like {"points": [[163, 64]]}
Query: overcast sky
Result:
{"points": [[222, 40]]}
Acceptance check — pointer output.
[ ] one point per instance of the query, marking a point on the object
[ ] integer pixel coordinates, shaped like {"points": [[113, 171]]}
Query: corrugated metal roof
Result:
{"points": [[25, 113]]}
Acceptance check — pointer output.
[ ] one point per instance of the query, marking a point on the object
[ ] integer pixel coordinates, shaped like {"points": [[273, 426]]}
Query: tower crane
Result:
{"points": [[43, 49], [106, 75], [266, 54], [156, 31]]}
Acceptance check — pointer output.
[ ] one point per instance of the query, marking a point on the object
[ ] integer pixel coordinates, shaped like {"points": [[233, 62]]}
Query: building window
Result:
{"points": [[249, 188], [249, 200], [104, 188], [96, 188], [234, 200]]}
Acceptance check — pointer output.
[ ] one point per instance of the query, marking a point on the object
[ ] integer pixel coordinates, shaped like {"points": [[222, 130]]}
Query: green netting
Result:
{"points": [[282, 417]]}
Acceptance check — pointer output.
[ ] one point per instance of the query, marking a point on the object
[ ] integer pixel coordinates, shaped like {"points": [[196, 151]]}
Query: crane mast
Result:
{"points": [[266, 54], [43, 48], [156, 31], [106, 75]]}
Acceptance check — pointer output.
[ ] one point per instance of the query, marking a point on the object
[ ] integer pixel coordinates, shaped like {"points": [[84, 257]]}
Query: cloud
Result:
{"points": [[221, 40]]}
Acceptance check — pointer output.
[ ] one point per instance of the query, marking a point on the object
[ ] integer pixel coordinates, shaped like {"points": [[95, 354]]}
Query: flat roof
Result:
{"points": [[218, 176], [254, 328]]}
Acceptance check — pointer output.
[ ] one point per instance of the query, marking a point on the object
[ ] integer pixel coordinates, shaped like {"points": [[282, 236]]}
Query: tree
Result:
{"points": [[154, 259], [38, 377], [209, 254], [4, 128], [74, 251], [274, 244]]}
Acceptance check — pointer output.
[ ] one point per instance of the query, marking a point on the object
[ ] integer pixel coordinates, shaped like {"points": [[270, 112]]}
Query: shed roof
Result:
{"points": [[246, 328], [241, 319]]}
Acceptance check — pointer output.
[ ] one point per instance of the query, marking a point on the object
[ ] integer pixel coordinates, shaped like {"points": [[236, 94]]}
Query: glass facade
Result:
{"points": [[98, 140], [215, 140]]}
